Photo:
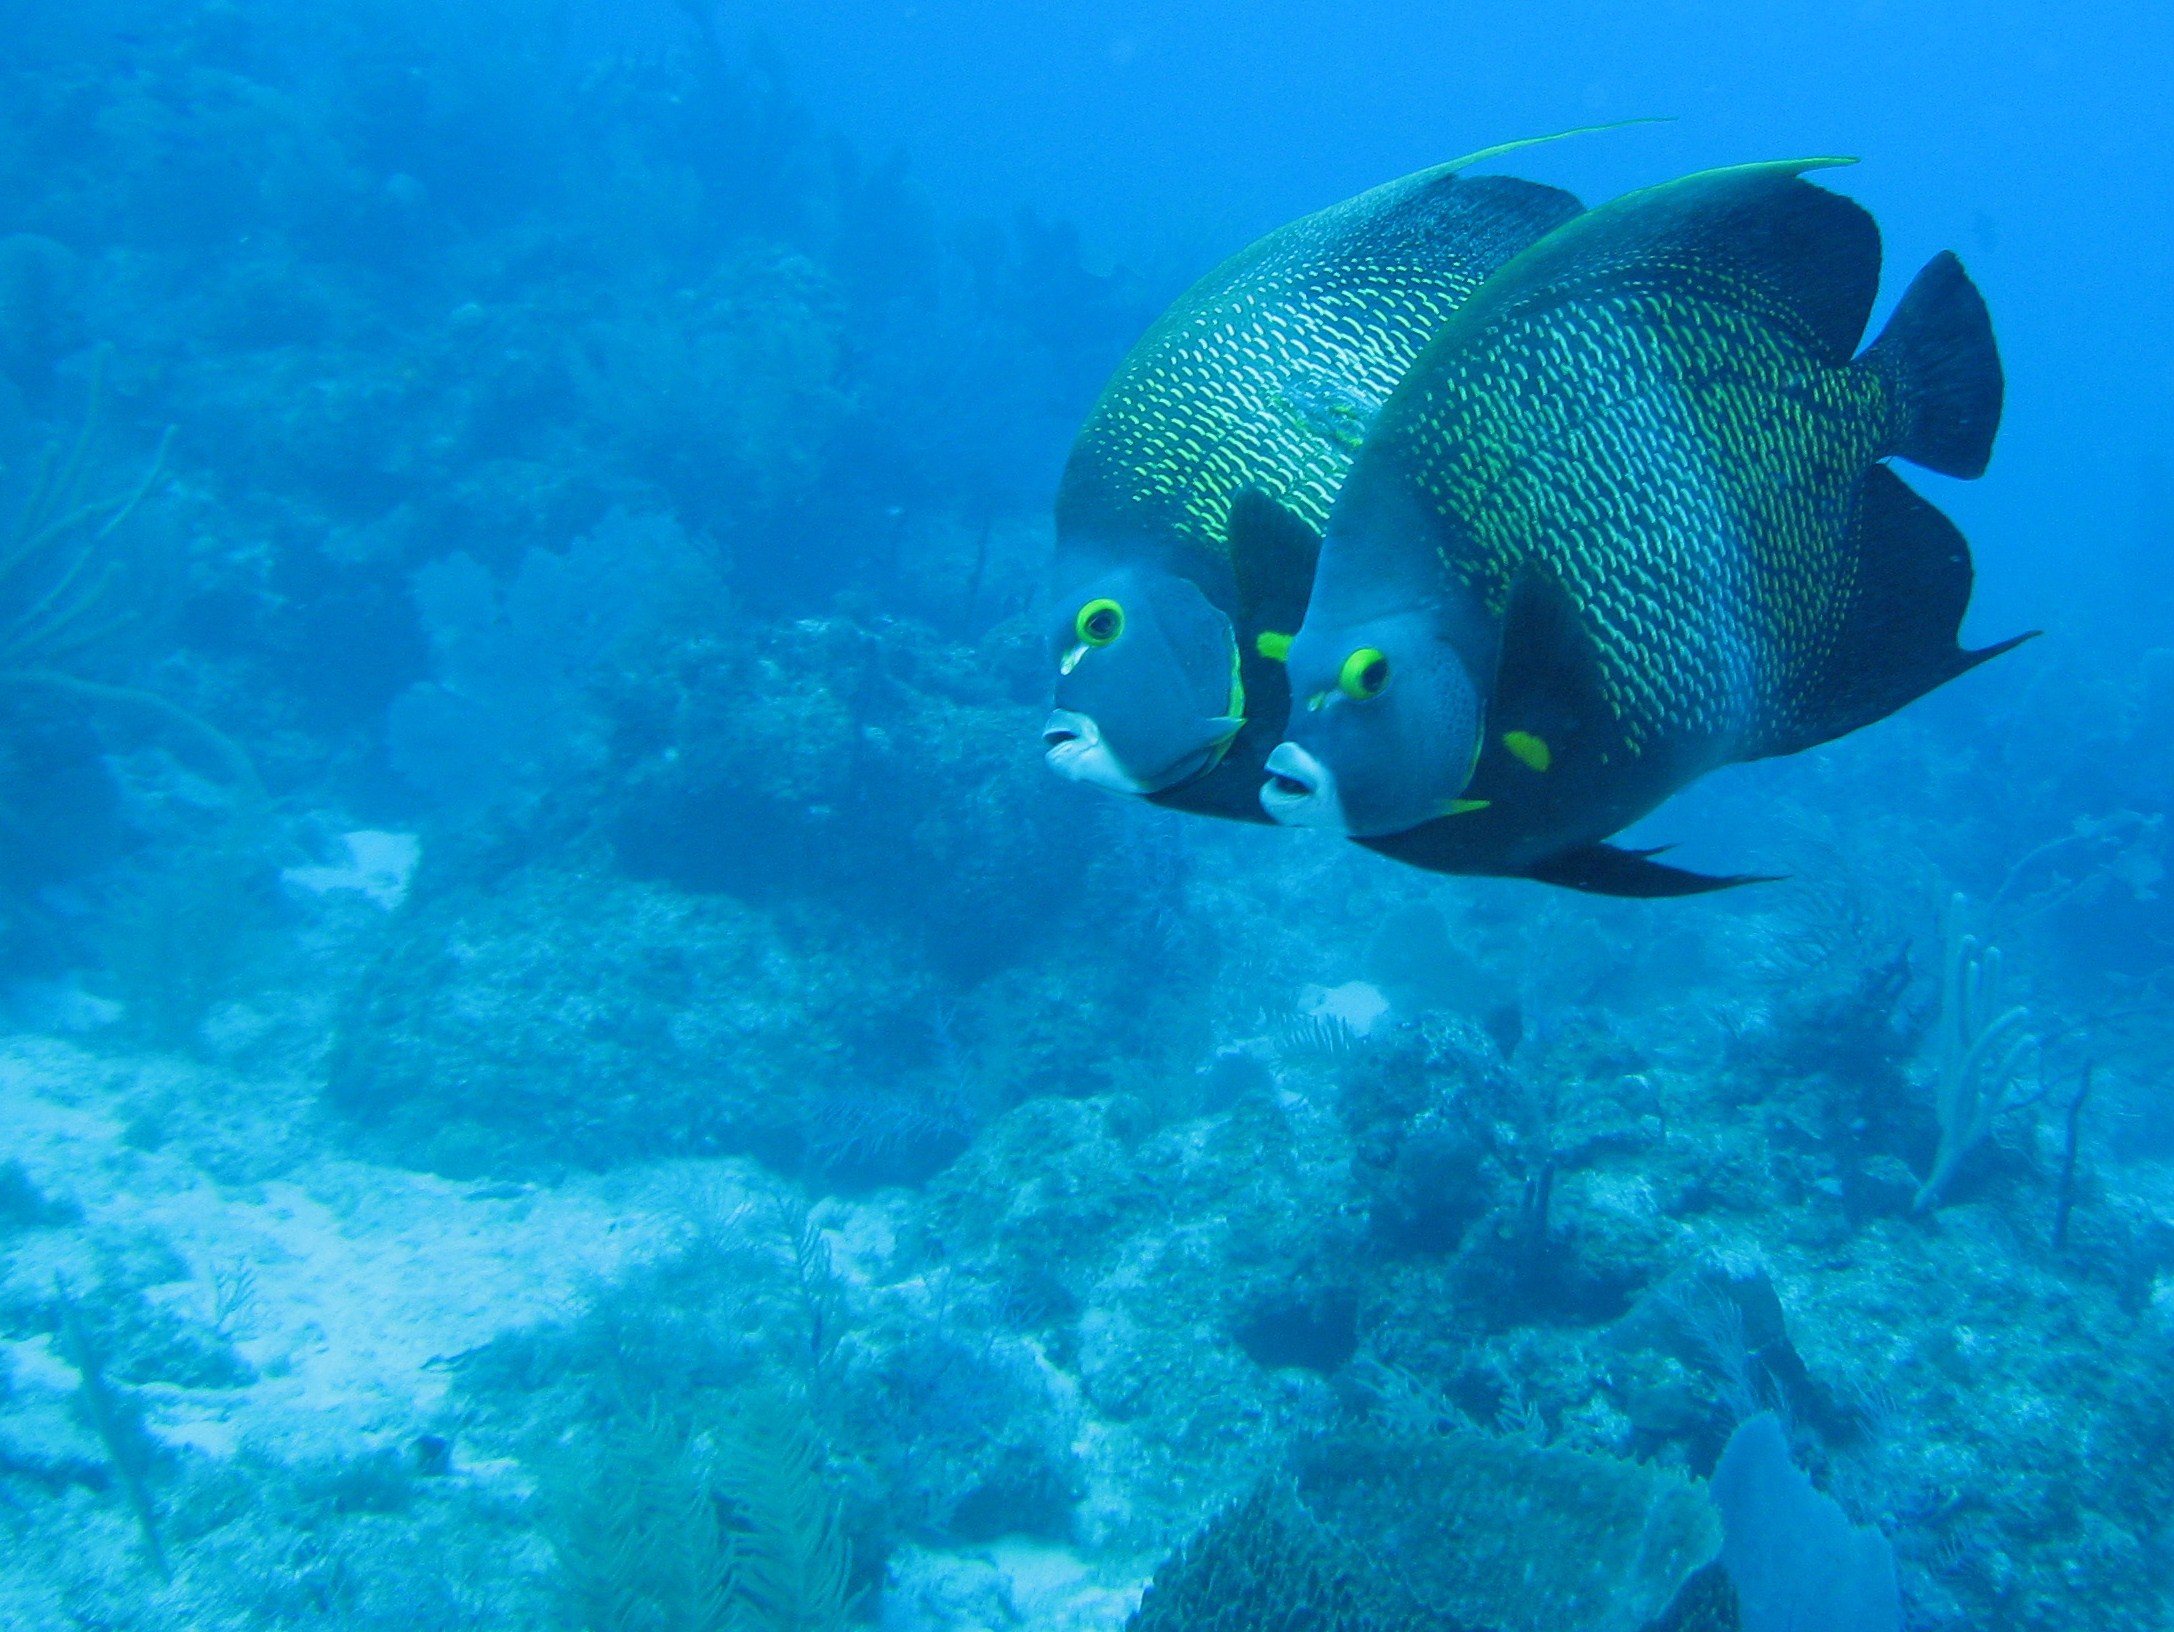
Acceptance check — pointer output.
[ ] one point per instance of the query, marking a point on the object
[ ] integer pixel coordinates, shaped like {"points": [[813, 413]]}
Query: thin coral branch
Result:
{"points": [[229, 753], [117, 1429], [55, 574], [151, 475]]}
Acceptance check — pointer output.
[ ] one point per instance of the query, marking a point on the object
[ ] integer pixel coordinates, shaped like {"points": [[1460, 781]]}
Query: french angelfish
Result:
{"points": [[1627, 520], [1190, 510]]}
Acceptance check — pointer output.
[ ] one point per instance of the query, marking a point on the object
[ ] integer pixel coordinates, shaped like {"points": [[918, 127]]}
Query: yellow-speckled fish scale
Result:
{"points": [[1679, 447], [1270, 371]]}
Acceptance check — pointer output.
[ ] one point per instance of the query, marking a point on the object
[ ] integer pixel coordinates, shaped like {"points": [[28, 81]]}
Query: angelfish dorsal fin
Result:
{"points": [[1500, 149], [1272, 555], [1815, 253]]}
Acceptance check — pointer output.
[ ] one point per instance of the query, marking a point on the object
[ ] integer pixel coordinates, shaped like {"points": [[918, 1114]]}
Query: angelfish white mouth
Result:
{"points": [[1301, 791], [1075, 749]]}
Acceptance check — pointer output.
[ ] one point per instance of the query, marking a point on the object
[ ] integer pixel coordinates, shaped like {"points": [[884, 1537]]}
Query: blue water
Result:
{"points": [[563, 1062]]}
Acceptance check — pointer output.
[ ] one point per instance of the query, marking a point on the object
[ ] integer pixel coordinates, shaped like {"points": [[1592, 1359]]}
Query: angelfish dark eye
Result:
{"points": [[1364, 674], [1099, 622]]}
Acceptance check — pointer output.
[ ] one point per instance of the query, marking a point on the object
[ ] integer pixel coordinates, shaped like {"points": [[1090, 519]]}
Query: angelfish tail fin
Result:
{"points": [[1943, 372]]}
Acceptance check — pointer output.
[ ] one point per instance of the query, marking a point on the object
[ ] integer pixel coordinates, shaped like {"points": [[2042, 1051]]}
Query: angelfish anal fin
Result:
{"points": [[1272, 555], [1605, 869]]}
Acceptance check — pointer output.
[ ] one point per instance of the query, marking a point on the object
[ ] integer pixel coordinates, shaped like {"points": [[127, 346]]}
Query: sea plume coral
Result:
{"points": [[726, 1529], [61, 582], [1982, 1044]]}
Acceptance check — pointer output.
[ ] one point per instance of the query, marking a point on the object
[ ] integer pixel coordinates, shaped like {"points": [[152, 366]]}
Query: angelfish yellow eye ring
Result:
{"points": [[1099, 622], [1364, 674]]}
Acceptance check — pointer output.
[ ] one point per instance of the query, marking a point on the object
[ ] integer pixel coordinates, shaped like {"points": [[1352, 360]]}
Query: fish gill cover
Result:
{"points": [[564, 1065]]}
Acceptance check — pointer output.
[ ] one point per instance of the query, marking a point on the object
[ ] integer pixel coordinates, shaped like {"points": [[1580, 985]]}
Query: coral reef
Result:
{"points": [[1503, 1532], [1269, 1564], [678, 1025]]}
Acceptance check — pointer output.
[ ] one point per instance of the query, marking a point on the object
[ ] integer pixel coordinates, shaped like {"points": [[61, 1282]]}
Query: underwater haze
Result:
{"points": [[565, 1063]]}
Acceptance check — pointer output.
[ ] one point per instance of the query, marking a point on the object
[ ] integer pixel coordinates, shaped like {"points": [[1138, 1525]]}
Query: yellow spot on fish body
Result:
{"points": [[1464, 807], [1528, 749], [1276, 648]]}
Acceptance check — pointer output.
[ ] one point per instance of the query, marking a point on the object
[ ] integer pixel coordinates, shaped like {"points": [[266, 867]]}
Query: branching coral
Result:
{"points": [[1982, 1044]]}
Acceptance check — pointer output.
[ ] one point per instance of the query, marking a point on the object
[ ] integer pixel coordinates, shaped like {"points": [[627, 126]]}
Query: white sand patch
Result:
{"points": [[1053, 1587], [2161, 1302], [1012, 1585], [376, 866], [862, 1236], [1359, 1004], [363, 1276]]}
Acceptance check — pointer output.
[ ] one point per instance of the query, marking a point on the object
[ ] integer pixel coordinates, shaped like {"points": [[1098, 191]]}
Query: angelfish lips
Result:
{"points": [[1074, 748], [1301, 791]]}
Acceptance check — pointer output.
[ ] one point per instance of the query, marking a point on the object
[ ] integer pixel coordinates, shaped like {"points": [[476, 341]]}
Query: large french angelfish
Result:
{"points": [[1191, 506], [1627, 520]]}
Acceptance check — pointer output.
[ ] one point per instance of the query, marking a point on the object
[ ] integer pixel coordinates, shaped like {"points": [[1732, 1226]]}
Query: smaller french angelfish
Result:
{"points": [[1190, 511], [1627, 520]]}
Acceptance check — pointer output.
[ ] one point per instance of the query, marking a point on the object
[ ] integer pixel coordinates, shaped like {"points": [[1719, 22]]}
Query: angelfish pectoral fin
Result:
{"points": [[1272, 554], [1551, 695]]}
